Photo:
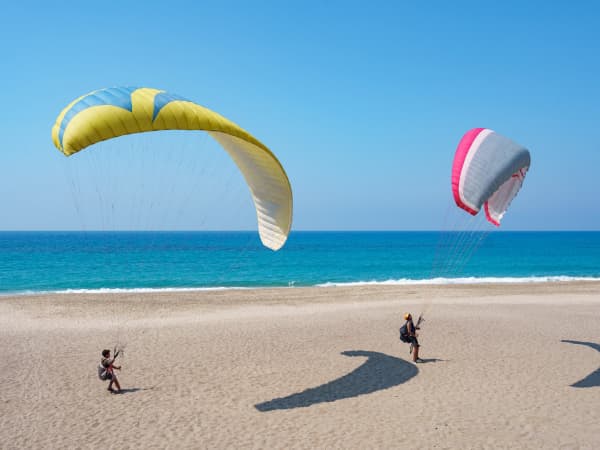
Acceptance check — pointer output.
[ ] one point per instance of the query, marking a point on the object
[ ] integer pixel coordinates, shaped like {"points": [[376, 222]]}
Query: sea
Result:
{"points": [[84, 261]]}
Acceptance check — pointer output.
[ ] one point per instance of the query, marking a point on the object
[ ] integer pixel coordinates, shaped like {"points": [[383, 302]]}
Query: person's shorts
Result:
{"points": [[413, 340], [109, 376]]}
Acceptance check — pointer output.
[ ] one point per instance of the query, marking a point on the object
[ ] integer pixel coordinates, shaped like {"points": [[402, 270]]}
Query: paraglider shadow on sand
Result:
{"points": [[379, 371], [593, 379]]}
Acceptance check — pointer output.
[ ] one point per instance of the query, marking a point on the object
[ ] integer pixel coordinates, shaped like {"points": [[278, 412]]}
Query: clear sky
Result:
{"points": [[362, 102]]}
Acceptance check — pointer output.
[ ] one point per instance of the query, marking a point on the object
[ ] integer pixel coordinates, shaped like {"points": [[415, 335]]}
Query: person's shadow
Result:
{"points": [[430, 360], [379, 371], [134, 389], [593, 379]]}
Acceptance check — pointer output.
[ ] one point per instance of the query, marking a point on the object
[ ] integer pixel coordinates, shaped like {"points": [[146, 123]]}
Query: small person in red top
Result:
{"points": [[106, 370]]}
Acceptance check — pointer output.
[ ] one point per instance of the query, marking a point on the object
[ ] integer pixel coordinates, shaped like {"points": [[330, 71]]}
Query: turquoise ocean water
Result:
{"points": [[33, 262]]}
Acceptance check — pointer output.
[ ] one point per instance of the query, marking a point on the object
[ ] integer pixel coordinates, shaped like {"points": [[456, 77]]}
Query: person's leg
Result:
{"points": [[415, 348], [112, 378], [117, 383]]}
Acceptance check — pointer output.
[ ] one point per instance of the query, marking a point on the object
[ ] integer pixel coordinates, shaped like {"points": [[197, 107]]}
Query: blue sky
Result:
{"points": [[363, 103]]}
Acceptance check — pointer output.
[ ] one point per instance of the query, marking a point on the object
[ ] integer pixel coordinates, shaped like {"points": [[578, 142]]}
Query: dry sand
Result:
{"points": [[305, 368]]}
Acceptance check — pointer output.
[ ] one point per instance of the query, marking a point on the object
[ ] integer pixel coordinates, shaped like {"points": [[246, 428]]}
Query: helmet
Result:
{"points": [[407, 316]]}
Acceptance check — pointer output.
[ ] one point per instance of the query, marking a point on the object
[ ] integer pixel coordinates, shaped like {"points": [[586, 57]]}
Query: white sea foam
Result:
{"points": [[122, 290], [466, 280], [398, 282]]}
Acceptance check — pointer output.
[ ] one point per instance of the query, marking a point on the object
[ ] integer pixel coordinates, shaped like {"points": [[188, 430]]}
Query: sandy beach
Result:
{"points": [[506, 366]]}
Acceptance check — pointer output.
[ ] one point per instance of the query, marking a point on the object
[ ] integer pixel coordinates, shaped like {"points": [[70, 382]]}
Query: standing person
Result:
{"points": [[408, 334], [106, 370]]}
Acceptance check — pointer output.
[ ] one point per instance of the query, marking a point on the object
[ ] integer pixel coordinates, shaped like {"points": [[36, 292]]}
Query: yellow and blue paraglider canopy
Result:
{"points": [[118, 111]]}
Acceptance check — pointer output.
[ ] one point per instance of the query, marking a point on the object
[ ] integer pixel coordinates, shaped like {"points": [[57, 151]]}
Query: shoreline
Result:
{"points": [[429, 283], [134, 309]]}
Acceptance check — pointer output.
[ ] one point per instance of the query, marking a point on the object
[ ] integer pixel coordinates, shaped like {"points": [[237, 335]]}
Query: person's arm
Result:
{"points": [[116, 353], [110, 364], [410, 328], [419, 320]]}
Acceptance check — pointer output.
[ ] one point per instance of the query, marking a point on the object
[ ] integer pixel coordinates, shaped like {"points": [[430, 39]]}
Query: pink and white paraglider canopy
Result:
{"points": [[488, 171]]}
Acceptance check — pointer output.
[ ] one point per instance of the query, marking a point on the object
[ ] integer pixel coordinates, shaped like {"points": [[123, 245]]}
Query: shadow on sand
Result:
{"points": [[134, 389], [430, 360], [379, 371], [593, 379]]}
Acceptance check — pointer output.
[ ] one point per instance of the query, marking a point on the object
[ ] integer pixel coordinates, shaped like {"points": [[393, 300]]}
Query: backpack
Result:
{"points": [[102, 372], [404, 337]]}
